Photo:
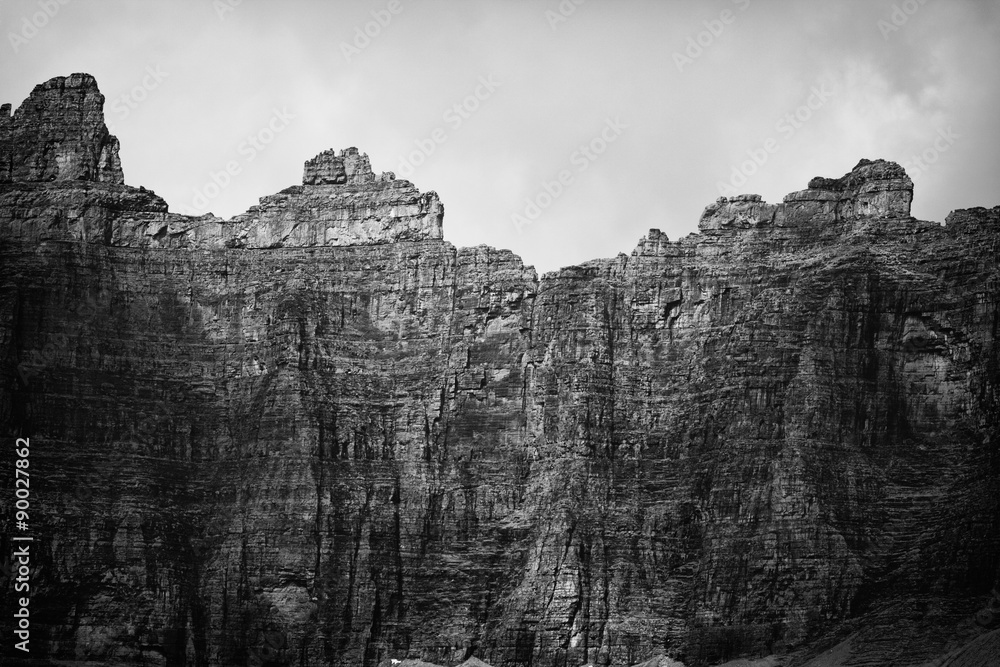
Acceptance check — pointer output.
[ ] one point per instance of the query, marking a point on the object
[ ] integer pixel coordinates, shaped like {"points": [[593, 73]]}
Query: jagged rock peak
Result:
{"points": [[873, 189], [347, 166], [58, 134], [652, 244], [738, 211], [866, 171]]}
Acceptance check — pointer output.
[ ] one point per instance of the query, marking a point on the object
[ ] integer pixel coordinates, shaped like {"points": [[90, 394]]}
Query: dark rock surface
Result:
{"points": [[318, 434]]}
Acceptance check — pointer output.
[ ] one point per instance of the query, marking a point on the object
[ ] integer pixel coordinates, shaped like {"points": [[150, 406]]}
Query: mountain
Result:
{"points": [[320, 434]]}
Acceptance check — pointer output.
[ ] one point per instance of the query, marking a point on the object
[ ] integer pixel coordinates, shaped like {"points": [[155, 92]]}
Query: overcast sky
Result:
{"points": [[562, 130]]}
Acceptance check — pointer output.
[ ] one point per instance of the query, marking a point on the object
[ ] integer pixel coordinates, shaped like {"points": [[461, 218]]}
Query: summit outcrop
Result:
{"points": [[873, 190], [58, 134]]}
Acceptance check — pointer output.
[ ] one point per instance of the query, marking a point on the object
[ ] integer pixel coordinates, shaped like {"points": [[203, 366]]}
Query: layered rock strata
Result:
{"points": [[319, 434], [58, 134]]}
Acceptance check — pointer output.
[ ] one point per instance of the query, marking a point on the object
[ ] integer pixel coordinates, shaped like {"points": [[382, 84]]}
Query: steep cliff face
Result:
{"points": [[319, 434]]}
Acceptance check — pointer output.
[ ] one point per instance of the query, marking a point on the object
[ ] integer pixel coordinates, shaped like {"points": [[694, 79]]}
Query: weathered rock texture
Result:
{"points": [[58, 134], [318, 434]]}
